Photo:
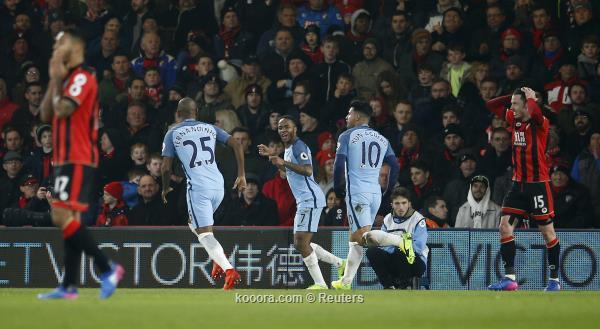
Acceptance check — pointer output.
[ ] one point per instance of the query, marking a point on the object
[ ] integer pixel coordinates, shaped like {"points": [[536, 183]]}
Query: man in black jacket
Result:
{"points": [[252, 208], [150, 210], [571, 200]]}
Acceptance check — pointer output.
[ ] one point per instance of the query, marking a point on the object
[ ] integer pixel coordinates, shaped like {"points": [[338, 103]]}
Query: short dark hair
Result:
{"points": [[400, 192], [75, 35], [539, 7], [432, 201], [590, 39], [500, 130], [330, 39], [521, 93], [346, 76], [489, 79], [240, 130], [130, 83], [457, 47], [419, 164], [33, 84], [304, 84], [289, 117]]}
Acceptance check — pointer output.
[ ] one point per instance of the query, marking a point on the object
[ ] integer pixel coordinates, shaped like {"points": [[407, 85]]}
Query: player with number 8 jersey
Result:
{"points": [[71, 102]]}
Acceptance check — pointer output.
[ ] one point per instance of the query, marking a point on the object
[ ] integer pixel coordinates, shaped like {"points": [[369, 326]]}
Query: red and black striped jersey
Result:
{"points": [[529, 145], [76, 136]]}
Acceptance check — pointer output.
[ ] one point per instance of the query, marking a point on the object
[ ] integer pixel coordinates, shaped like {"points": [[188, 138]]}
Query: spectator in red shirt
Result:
{"points": [[114, 210], [278, 190]]}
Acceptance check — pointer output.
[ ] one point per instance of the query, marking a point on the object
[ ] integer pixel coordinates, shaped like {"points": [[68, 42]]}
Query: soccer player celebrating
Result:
{"points": [[71, 102], [193, 142], [530, 194], [310, 201], [360, 154]]}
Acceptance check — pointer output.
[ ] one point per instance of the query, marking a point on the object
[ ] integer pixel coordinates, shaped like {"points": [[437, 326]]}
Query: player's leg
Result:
{"points": [[380, 238], [515, 205], [403, 271], [61, 218], [380, 261], [360, 219], [306, 222], [201, 207], [552, 254], [543, 213]]}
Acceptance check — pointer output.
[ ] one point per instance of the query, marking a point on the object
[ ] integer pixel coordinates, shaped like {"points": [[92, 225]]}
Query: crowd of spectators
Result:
{"points": [[426, 68]]}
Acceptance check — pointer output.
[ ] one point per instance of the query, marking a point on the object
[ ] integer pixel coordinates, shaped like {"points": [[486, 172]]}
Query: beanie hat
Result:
{"points": [[115, 189]]}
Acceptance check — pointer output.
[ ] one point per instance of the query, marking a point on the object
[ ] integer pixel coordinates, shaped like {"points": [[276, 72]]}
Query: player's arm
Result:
{"points": [[301, 169], [166, 170], [46, 107], [339, 166], [168, 153], [532, 107], [301, 153], [390, 160], [240, 181], [497, 105]]}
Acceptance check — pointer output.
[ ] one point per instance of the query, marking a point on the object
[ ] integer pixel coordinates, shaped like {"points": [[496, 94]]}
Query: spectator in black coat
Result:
{"points": [[150, 209], [571, 200], [456, 191], [497, 157], [275, 62], [39, 163], [423, 185], [252, 208], [12, 164]]}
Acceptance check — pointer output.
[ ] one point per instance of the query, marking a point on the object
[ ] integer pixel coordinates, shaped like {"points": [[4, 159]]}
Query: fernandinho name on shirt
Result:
{"points": [[181, 133]]}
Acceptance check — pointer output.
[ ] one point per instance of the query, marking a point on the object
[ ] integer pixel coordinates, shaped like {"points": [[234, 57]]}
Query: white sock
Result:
{"points": [[312, 263], [325, 256], [214, 250], [355, 255], [511, 276], [381, 238]]}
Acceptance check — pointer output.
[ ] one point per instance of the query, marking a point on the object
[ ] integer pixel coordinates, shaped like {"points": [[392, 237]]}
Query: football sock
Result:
{"points": [[72, 262], [355, 255], [508, 249], [553, 254], [80, 238], [326, 256], [312, 263], [381, 238], [214, 249]]}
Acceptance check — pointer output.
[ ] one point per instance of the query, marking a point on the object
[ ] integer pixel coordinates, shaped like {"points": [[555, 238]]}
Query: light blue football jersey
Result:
{"points": [[365, 150], [307, 192], [193, 142]]}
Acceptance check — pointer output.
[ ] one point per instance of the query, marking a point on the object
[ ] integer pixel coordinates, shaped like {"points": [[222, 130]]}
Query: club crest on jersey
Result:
{"points": [[303, 156]]}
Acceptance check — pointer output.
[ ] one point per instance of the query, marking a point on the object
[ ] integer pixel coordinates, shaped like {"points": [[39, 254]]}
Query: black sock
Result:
{"points": [[553, 254], [83, 240], [508, 249], [72, 264]]}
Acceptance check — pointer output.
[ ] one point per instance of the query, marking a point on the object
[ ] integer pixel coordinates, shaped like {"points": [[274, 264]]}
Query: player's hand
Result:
{"points": [[240, 184], [165, 192], [275, 160], [41, 193], [57, 68], [529, 93], [263, 150]]}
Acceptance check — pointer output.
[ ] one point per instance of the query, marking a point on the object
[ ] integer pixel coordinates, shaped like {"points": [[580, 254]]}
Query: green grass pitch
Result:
{"points": [[214, 308]]}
